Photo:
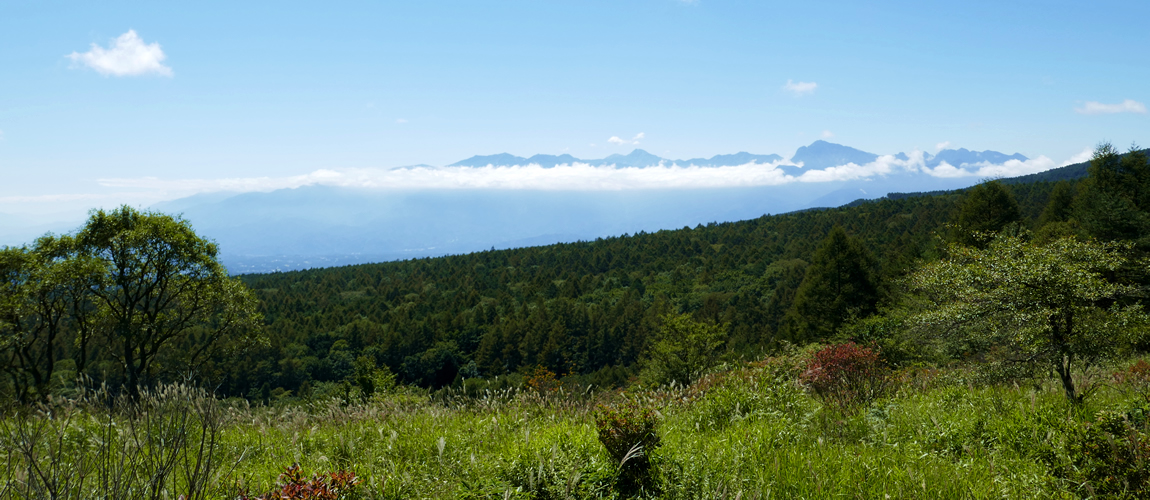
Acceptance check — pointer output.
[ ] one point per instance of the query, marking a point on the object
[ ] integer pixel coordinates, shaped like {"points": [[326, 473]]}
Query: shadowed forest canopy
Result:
{"points": [[588, 309], [138, 297]]}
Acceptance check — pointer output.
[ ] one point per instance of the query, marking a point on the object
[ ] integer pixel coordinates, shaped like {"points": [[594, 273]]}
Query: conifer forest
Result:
{"points": [[989, 342]]}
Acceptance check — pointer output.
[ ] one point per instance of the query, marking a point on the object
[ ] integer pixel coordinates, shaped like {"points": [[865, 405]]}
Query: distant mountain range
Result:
{"points": [[818, 155], [637, 158], [321, 226]]}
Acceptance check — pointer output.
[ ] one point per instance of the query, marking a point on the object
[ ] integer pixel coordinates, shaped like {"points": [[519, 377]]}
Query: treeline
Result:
{"points": [[135, 297], [589, 310]]}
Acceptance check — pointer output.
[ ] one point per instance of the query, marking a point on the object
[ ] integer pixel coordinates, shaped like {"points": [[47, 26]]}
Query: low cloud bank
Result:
{"points": [[585, 177]]}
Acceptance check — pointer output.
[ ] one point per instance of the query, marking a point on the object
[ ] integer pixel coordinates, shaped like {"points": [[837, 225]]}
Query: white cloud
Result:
{"points": [[578, 176], [941, 146], [882, 166], [1097, 108], [827, 134], [1012, 168], [619, 142], [800, 88], [127, 56], [1083, 156], [400, 120]]}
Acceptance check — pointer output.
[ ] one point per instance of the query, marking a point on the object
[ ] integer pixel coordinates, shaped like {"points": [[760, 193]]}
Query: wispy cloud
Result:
{"points": [[128, 55], [619, 142], [1098, 108], [57, 198], [827, 134], [941, 146], [800, 88], [400, 120]]}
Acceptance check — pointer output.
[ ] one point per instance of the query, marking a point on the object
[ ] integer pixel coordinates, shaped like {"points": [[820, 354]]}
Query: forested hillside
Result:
{"points": [[999, 332], [585, 308]]}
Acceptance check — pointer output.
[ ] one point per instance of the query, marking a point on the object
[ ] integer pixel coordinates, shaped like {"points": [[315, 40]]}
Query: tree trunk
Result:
{"points": [[1062, 366], [1060, 332]]}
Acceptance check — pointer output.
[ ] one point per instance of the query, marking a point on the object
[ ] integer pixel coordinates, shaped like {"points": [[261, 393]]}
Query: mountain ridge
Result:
{"points": [[819, 154]]}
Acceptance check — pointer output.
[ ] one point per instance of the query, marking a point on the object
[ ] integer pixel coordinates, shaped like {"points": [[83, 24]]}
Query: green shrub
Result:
{"points": [[628, 432], [748, 396], [1106, 458]]}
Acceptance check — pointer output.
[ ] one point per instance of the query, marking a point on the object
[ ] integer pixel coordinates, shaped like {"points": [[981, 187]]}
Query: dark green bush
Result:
{"points": [[1106, 458], [628, 432]]}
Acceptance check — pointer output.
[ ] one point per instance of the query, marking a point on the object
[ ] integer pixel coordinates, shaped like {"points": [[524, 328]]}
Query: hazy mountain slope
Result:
{"points": [[740, 158], [823, 154], [636, 158], [963, 156]]}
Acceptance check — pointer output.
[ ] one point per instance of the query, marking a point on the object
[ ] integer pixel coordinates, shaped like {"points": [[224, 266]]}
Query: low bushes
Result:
{"points": [[1108, 457], [294, 486], [628, 431], [747, 394]]}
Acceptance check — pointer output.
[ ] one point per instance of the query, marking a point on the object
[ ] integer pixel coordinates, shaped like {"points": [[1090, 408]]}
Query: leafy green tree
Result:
{"points": [[166, 299], [42, 305], [684, 349], [987, 208], [1114, 200], [370, 379], [1046, 305], [839, 284], [31, 319]]}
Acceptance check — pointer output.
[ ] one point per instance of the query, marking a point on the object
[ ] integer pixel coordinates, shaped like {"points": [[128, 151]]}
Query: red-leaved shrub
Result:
{"points": [[330, 486], [543, 381], [1135, 378], [847, 376]]}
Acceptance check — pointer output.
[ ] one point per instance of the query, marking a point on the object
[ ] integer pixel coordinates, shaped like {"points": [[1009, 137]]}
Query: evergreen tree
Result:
{"points": [[1059, 207], [988, 208], [840, 283], [1115, 198]]}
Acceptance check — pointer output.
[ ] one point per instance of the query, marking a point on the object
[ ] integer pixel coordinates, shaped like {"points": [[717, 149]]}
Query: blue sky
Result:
{"points": [[283, 89]]}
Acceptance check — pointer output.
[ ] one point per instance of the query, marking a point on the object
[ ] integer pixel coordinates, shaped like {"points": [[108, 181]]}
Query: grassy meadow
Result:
{"points": [[751, 431]]}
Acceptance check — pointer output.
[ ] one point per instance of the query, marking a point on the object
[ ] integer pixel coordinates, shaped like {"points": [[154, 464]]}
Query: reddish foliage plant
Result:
{"points": [[1137, 373], [1135, 378], [847, 376], [330, 486], [544, 381]]}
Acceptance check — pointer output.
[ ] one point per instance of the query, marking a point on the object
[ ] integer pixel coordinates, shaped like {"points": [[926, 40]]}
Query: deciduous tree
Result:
{"points": [[1047, 305], [164, 289]]}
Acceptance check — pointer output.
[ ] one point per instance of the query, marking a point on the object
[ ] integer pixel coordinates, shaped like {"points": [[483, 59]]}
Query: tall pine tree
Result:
{"points": [[1114, 200], [840, 283], [988, 208]]}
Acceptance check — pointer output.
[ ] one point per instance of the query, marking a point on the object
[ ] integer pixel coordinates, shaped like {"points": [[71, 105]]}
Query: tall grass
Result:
{"points": [[746, 433]]}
